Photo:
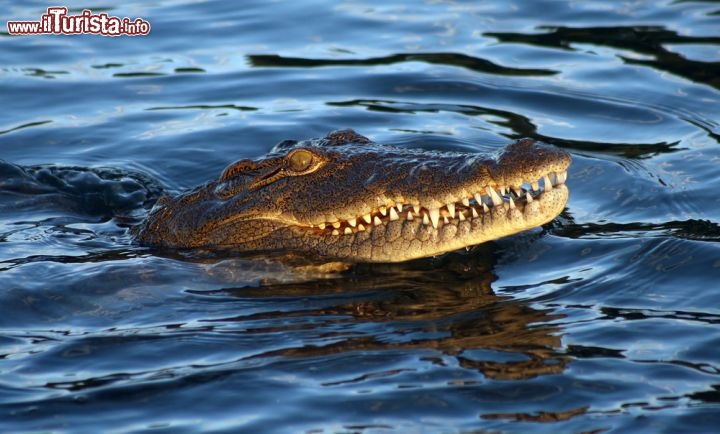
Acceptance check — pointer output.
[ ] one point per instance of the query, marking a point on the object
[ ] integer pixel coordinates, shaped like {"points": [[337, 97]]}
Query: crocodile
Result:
{"points": [[344, 197]]}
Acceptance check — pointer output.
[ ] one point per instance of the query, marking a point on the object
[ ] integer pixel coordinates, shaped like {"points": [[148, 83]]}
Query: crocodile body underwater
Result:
{"points": [[346, 198]]}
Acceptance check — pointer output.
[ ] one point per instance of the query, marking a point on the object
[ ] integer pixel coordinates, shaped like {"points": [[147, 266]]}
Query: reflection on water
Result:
{"points": [[639, 40], [440, 313], [451, 309], [450, 59]]}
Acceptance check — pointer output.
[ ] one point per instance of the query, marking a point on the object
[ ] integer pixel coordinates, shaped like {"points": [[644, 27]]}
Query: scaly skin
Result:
{"points": [[345, 198]]}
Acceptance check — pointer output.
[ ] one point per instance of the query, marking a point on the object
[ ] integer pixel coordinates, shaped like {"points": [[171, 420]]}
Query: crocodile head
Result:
{"points": [[345, 197]]}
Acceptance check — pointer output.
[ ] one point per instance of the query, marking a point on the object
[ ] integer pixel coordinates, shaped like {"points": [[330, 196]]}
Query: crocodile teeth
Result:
{"points": [[484, 203], [451, 209], [434, 215], [478, 198], [494, 196], [561, 177], [548, 184]]}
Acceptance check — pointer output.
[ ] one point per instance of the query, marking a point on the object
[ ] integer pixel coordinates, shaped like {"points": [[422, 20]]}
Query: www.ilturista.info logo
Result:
{"points": [[57, 22]]}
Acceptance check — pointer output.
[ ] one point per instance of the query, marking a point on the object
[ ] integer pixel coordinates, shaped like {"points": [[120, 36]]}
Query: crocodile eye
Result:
{"points": [[300, 160]]}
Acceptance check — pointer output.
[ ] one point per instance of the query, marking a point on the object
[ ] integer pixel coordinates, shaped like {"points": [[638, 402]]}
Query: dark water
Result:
{"points": [[606, 320]]}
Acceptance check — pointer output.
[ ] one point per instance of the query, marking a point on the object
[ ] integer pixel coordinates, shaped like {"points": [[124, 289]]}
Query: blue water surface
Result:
{"points": [[606, 320]]}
